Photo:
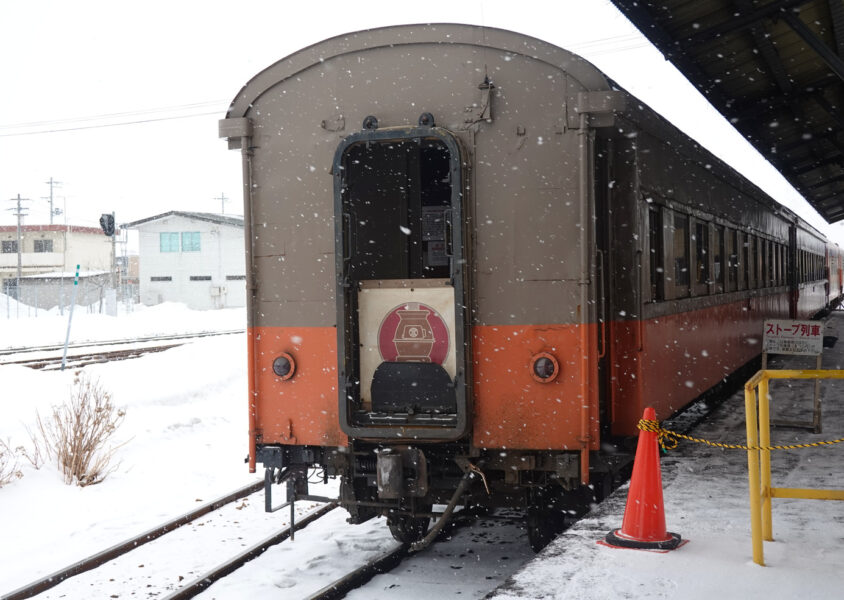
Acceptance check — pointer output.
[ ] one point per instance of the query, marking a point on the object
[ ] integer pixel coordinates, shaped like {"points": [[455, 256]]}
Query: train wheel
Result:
{"points": [[551, 510], [543, 525], [407, 529]]}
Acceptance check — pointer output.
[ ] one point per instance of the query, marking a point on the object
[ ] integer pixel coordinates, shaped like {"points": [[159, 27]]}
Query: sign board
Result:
{"points": [[793, 337], [405, 320]]}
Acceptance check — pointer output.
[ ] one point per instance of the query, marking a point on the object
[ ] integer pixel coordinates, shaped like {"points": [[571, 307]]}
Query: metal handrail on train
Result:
{"points": [[759, 454]]}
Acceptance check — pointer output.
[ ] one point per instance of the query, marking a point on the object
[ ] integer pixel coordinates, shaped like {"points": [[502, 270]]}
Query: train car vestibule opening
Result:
{"points": [[397, 293]]}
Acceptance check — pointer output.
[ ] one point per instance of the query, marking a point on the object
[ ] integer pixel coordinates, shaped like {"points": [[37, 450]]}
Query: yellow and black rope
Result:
{"points": [[668, 440]]}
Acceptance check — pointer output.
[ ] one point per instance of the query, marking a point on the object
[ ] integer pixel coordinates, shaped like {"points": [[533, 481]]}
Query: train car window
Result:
{"points": [[807, 267], [656, 254], [772, 262], [769, 263], [764, 273], [803, 277], [732, 267], [399, 192], [749, 262], [783, 265], [702, 272], [718, 254], [680, 255]]}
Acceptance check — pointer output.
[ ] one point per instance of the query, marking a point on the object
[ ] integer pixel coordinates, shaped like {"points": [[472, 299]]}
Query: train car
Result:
{"points": [[472, 260], [834, 274]]}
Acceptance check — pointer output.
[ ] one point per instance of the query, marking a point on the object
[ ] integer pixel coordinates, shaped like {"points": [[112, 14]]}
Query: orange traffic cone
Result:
{"points": [[643, 526]]}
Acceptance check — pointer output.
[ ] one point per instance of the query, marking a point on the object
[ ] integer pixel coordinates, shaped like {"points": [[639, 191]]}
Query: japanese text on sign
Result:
{"points": [[793, 337]]}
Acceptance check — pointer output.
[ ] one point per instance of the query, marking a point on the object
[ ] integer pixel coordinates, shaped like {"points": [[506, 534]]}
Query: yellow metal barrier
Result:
{"points": [[759, 454]]}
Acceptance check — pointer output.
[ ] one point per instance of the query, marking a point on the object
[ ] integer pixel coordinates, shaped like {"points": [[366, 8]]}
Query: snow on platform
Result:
{"points": [[706, 501]]}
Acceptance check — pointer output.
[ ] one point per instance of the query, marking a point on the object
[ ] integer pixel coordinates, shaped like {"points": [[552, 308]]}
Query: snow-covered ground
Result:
{"points": [[186, 440], [185, 434], [706, 501]]}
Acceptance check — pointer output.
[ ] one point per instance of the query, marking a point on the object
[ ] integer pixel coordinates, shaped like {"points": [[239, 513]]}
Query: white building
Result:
{"points": [[51, 249], [194, 258]]}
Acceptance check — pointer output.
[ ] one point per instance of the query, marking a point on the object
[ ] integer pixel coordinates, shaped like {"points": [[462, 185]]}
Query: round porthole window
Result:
{"points": [[284, 366], [544, 367]]}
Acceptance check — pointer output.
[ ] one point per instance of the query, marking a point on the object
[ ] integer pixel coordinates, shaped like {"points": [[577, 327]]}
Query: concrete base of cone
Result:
{"points": [[619, 540]]}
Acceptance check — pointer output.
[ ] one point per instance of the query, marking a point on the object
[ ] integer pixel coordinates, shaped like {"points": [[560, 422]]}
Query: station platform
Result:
{"points": [[706, 501]]}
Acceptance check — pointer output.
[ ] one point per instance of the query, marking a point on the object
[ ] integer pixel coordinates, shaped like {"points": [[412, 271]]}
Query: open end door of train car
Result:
{"points": [[400, 285]]}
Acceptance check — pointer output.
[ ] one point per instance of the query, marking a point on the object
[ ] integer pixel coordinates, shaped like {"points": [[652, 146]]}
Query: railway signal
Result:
{"points": [[107, 223]]}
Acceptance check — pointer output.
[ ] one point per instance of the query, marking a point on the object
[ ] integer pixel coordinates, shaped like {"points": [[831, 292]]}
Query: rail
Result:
{"points": [[92, 562], [758, 424]]}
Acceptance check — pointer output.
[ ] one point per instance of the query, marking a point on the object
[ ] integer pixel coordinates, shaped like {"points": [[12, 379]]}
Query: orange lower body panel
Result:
{"points": [[667, 362], [512, 409], [302, 410]]}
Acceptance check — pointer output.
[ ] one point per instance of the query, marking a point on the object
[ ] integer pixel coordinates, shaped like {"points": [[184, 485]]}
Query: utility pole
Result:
{"points": [[53, 211], [20, 213], [222, 200]]}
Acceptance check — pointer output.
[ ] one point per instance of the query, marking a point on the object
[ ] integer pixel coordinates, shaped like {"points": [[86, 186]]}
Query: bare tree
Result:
{"points": [[9, 468], [77, 434]]}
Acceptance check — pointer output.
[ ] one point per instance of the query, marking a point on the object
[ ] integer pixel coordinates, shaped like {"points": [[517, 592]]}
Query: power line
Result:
{"points": [[7, 130], [131, 113], [205, 114]]}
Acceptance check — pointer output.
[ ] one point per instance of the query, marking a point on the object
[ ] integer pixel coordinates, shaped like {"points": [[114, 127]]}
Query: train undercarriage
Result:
{"points": [[409, 484]]}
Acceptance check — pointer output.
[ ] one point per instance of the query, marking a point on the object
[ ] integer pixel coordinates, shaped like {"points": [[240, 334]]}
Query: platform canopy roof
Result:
{"points": [[773, 68]]}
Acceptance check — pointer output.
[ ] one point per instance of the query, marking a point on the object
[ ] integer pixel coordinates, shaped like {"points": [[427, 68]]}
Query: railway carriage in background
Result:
{"points": [[472, 260]]}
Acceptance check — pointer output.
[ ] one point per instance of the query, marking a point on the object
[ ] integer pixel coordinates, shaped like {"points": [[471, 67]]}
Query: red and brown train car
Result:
{"points": [[469, 252]]}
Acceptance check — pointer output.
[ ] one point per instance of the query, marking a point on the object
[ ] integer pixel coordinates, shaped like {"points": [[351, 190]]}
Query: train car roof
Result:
{"points": [[400, 35], [774, 69], [498, 39]]}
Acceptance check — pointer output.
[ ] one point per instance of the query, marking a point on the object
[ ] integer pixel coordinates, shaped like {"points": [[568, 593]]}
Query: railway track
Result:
{"points": [[92, 562], [355, 579], [194, 587], [207, 579], [50, 357], [385, 564]]}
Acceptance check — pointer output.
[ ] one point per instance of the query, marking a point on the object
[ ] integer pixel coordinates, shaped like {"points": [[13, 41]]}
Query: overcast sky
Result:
{"points": [[119, 101]]}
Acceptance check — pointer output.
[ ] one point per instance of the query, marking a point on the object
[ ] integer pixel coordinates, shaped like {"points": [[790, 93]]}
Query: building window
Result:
{"points": [[10, 246], [43, 246], [166, 278], [169, 241], [190, 241], [200, 278], [235, 277]]}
